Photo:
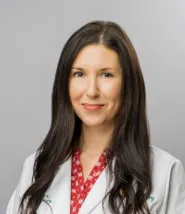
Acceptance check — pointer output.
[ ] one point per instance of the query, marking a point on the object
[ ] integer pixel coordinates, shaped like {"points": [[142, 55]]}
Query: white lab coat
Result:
{"points": [[167, 197]]}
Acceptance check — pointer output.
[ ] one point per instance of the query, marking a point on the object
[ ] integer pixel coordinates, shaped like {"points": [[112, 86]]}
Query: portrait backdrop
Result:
{"points": [[32, 35]]}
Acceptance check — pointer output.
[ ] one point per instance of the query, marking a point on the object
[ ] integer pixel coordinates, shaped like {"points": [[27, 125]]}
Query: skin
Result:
{"points": [[95, 78]]}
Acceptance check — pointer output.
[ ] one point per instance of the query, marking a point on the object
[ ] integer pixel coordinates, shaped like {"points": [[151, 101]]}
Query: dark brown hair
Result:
{"points": [[130, 143]]}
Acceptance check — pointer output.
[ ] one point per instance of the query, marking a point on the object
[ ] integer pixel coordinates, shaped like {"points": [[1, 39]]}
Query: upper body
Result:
{"points": [[167, 197], [99, 104]]}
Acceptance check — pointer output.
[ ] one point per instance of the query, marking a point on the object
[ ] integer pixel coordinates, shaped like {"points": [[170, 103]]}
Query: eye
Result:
{"points": [[107, 74], [77, 74]]}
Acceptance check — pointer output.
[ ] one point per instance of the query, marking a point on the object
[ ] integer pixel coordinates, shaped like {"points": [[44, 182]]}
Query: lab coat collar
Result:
{"points": [[96, 195], [58, 195]]}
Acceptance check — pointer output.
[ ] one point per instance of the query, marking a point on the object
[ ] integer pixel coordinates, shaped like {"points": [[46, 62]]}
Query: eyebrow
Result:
{"points": [[102, 69]]}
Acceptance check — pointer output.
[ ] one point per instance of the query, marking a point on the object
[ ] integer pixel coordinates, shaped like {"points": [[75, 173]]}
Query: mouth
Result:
{"points": [[92, 107]]}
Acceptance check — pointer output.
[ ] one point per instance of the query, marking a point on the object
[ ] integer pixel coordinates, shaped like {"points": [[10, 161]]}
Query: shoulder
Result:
{"points": [[27, 173], [168, 176], [30, 159], [162, 160], [164, 164], [29, 162], [161, 155], [24, 183]]}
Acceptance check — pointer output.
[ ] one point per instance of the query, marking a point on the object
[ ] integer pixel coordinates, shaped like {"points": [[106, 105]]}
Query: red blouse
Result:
{"points": [[79, 188]]}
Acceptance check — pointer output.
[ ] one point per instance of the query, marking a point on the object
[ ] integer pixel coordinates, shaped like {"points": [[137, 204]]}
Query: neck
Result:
{"points": [[94, 140]]}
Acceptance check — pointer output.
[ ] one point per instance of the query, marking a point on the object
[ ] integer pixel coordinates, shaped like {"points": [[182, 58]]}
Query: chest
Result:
{"points": [[59, 194], [87, 163]]}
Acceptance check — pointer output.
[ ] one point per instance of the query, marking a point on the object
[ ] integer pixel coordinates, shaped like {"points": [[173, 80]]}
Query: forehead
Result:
{"points": [[97, 55]]}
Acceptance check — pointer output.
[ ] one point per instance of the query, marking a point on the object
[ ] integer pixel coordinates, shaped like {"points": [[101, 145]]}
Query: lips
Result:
{"points": [[92, 107], [88, 104]]}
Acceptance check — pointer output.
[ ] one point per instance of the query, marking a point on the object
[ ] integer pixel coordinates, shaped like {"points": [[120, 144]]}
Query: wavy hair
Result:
{"points": [[129, 160]]}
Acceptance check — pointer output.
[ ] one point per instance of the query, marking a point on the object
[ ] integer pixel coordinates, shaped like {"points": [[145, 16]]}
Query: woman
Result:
{"points": [[97, 157]]}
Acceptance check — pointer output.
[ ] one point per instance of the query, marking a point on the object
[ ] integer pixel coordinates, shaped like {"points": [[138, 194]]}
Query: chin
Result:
{"points": [[93, 123]]}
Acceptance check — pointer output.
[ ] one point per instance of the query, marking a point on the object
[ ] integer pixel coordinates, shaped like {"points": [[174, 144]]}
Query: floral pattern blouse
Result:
{"points": [[79, 187]]}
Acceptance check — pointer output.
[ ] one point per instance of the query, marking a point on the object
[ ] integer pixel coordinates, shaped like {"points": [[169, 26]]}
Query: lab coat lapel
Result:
{"points": [[58, 195], [96, 195]]}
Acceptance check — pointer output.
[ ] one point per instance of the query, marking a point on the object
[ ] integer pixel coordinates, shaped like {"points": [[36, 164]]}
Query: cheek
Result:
{"points": [[76, 89], [113, 91]]}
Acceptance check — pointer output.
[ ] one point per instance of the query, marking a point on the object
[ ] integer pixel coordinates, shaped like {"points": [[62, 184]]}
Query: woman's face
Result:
{"points": [[95, 85]]}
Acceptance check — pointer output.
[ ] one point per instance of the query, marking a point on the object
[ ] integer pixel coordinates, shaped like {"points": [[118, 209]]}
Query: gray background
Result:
{"points": [[32, 34]]}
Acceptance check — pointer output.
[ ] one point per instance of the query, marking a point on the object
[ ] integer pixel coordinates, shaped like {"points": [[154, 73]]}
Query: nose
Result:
{"points": [[92, 88]]}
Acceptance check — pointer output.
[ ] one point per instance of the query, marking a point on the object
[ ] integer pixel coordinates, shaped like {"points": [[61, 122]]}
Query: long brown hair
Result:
{"points": [[130, 143]]}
